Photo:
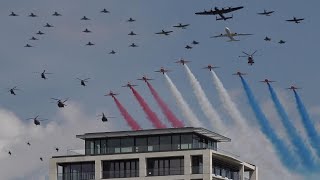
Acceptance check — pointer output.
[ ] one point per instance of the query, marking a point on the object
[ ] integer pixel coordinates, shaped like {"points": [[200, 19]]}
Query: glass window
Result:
{"points": [[165, 166], [127, 145], [195, 142], [97, 146], [103, 146], [197, 165], [186, 141], [141, 144], [153, 143], [89, 147], [176, 142], [113, 145], [120, 169], [165, 143]]}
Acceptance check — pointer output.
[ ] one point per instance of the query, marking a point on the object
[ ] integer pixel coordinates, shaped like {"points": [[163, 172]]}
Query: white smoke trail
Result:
{"points": [[204, 103], [183, 105]]}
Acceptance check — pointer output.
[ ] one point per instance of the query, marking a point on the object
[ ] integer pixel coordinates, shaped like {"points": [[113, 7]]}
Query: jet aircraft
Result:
{"points": [[195, 42], [48, 25], [56, 14], [33, 38], [293, 88], [267, 38], [112, 52], [13, 14], [133, 45], [282, 42], [104, 11], [144, 78], [267, 81], [131, 20], [86, 31], [112, 94], [182, 61], [84, 18], [188, 47], [239, 74], [230, 35], [89, 44], [132, 33], [210, 67], [32, 15], [40, 33], [28, 45], [162, 70]]}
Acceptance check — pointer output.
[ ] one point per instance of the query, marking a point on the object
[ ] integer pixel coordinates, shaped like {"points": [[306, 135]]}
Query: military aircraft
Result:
{"points": [[36, 120], [132, 33], [41, 159], [40, 33], [48, 25], [239, 74], [57, 149], [293, 88], [104, 11], [43, 74], [220, 12], [104, 118], [111, 94], [83, 81], [9, 152], [295, 20], [195, 42], [282, 42], [86, 31], [188, 47], [267, 81], [33, 38], [182, 26], [182, 61], [144, 78], [112, 52], [230, 35], [129, 85], [13, 14], [133, 45], [84, 18], [250, 57], [162, 70], [32, 15], [89, 44], [210, 67], [12, 90], [267, 38], [60, 103], [131, 20], [28, 143], [28, 45], [56, 14], [163, 32], [266, 13]]}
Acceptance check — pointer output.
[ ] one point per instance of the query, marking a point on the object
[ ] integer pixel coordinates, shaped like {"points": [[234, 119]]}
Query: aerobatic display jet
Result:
{"points": [[144, 78], [132, 33], [48, 25], [239, 74], [230, 35], [84, 18], [129, 85], [295, 20], [220, 12], [112, 52], [133, 45], [32, 15], [131, 20], [267, 81], [266, 13], [267, 38], [195, 42], [182, 26], [104, 11], [188, 47], [56, 14], [13, 14], [33, 38], [86, 31], [163, 32], [162, 70], [293, 88], [210, 67], [112, 94], [28, 45], [182, 61], [40, 33], [249, 56], [282, 42], [89, 44]]}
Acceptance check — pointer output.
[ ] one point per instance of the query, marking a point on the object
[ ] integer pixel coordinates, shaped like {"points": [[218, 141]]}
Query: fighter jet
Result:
{"points": [[162, 70], [112, 52], [267, 38], [267, 81], [144, 78], [84, 18], [89, 44], [282, 42], [104, 11], [295, 20], [230, 35], [210, 67], [40, 33], [188, 47], [182, 61], [266, 13], [195, 42], [239, 74], [28, 45], [33, 38], [83, 81], [111, 94], [86, 31], [129, 85], [13, 14], [48, 25], [56, 14], [163, 32], [133, 45], [131, 20], [182, 26], [32, 15], [132, 33]]}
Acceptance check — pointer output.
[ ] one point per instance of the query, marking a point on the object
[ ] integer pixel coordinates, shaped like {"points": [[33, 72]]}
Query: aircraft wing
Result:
{"points": [[231, 9], [290, 20], [221, 35], [204, 13], [240, 34]]}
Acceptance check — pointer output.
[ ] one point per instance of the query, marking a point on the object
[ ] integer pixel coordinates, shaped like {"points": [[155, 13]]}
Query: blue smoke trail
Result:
{"points": [[283, 152], [299, 147], [308, 125]]}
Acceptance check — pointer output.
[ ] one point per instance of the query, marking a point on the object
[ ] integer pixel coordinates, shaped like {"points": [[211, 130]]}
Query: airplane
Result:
{"points": [[132, 33], [182, 26], [195, 42], [84, 18], [86, 31], [267, 81], [104, 11], [13, 14], [182, 61], [131, 20], [89, 44], [162, 70], [210, 67], [230, 35], [266, 13], [32, 15], [239, 74], [144, 78], [60, 103], [33, 38], [56, 14], [43, 74], [104, 118], [48, 25], [293, 88], [40, 33], [250, 57], [129, 85], [220, 12], [295, 20], [112, 52], [37, 120], [83, 81], [267, 38], [282, 42], [133, 45], [28, 45], [188, 47], [163, 32], [111, 94]]}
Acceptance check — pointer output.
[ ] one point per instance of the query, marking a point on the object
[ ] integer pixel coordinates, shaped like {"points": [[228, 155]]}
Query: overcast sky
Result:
{"points": [[62, 52]]}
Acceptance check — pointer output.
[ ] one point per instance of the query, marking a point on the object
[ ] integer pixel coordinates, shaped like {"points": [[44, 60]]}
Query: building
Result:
{"points": [[163, 154]]}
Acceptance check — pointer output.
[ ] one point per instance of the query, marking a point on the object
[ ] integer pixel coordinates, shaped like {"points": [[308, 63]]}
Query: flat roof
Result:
{"points": [[197, 130]]}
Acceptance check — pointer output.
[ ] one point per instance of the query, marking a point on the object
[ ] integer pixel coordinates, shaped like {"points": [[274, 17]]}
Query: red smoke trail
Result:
{"points": [[150, 114], [175, 122], [132, 123]]}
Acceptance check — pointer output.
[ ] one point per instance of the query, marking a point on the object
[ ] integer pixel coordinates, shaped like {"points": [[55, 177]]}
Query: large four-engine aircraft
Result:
{"points": [[220, 12]]}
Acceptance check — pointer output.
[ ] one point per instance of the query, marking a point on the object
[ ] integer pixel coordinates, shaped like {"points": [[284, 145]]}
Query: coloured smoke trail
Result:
{"points": [[308, 124], [175, 122], [182, 104], [150, 114], [299, 147], [204, 103], [282, 150], [131, 122]]}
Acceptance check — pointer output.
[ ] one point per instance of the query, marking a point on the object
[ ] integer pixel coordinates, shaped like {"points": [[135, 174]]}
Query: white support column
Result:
{"points": [[98, 169], [254, 174], [241, 172], [207, 164], [53, 170], [142, 167], [187, 165]]}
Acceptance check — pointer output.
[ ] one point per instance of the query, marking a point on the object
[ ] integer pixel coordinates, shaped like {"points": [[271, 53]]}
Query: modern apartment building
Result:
{"points": [[164, 154]]}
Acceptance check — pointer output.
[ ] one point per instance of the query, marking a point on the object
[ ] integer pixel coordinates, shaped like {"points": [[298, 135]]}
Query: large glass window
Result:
{"points": [[141, 144], [176, 142], [165, 143], [196, 164], [153, 143], [165, 166], [113, 145], [103, 146], [77, 171], [120, 168], [89, 147], [127, 145], [97, 147], [186, 141]]}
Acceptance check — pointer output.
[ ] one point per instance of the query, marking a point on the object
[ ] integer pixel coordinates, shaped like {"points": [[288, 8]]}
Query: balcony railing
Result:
{"points": [[76, 176]]}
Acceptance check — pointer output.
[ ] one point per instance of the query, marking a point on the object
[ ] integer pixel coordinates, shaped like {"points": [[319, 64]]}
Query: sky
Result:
{"points": [[62, 52]]}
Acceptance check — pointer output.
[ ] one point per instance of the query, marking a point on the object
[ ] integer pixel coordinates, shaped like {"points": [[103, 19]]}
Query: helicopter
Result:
{"points": [[250, 57], [60, 102], [57, 149], [83, 81], [12, 90], [43, 74], [104, 118], [36, 121]]}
